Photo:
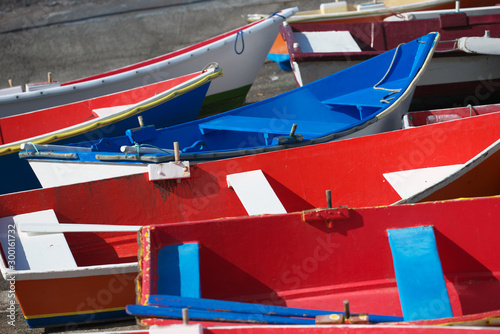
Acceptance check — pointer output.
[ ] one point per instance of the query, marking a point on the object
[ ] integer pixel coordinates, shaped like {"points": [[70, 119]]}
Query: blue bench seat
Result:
{"points": [[268, 125]]}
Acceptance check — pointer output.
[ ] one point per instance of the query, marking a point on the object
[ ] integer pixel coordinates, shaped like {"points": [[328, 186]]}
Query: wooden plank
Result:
{"points": [[419, 276], [255, 193], [326, 41], [239, 307], [169, 170], [265, 125], [40, 251], [178, 268], [213, 304]]}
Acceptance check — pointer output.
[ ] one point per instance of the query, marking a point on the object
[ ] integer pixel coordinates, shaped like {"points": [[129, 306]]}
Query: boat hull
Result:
{"points": [[338, 107], [232, 88], [98, 298], [352, 169], [17, 175], [279, 53], [333, 260], [453, 77], [462, 80], [60, 173]]}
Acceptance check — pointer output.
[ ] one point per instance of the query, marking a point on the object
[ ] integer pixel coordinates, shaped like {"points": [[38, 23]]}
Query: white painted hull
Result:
{"points": [[441, 70], [240, 70]]}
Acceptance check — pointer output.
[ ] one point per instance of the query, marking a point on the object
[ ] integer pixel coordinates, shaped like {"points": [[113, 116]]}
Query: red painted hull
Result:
{"points": [[279, 46], [296, 260], [352, 169]]}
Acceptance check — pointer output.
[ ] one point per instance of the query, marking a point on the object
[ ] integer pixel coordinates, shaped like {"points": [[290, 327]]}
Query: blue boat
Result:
{"points": [[368, 98], [165, 103]]}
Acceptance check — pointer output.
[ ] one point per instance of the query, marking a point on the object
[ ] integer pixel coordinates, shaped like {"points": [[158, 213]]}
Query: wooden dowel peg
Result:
{"points": [[329, 199], [185, 316], [141, 121], [292, 131], [176, 151], [49, 77], [346, 309], [10, 83]]}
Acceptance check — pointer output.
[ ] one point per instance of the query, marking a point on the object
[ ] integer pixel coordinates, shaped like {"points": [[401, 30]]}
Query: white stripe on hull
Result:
{"points": [[56, 173]]}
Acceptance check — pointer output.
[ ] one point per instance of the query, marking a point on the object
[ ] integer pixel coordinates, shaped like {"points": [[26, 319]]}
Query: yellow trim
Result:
{"points": [[52, 315], [48, 138]]}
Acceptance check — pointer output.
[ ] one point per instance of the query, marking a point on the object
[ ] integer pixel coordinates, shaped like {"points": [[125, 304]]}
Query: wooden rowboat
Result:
{"points": [[373, 257], [220, 189], [342, 12], [241, 52], [456, 75], [163, 103], [338, 107], [362, 168], [101, 261]]}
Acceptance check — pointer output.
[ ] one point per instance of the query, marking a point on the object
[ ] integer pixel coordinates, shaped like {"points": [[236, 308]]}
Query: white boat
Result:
{"points": [[241, 52], [465, 68]]}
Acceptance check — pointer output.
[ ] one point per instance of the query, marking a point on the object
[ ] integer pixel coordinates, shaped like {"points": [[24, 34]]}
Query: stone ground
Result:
{"points": [[76, 38]]}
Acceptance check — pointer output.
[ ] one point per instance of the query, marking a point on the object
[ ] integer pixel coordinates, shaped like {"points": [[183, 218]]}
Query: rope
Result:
{"points": [[196, 143], [396, 90], [276, 14], [397, 14], [240, 32], [138, 146], [34, 146]]}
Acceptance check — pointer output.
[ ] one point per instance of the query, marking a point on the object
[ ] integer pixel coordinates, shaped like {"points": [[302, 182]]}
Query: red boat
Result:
{"points": [[407, 260], [457, 75], [355, 171], [352, 169], [371, 11], [104, 264]]}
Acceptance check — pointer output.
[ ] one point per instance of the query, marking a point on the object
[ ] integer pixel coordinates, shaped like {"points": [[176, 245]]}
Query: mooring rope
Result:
{"points": [[239, 33]]}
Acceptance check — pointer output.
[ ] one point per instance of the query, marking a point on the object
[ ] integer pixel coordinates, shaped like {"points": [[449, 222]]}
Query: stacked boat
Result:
{"points": [[338, 206]]}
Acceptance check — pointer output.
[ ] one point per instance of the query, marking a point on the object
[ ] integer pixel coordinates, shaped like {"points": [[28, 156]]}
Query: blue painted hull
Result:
{"points": [[367, 98], [16, 174]]}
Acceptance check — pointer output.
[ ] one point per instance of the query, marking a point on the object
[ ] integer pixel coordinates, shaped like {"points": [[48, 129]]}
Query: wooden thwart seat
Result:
{"points": [[255, 193], [266, 125], [37, 251], [419, 276]]}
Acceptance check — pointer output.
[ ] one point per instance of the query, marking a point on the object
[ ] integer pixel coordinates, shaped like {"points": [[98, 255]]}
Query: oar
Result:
{"points": [[203, 315], [213, 304]]}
